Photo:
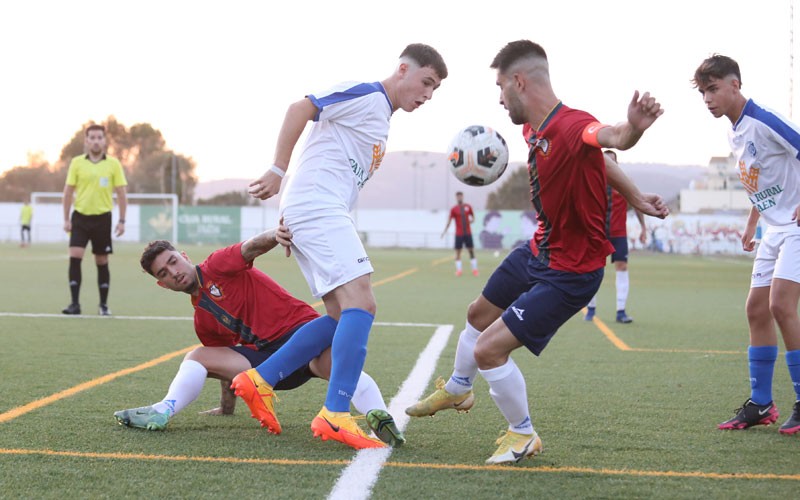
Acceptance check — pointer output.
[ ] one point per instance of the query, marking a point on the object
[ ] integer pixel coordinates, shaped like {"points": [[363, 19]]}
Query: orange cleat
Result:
{"points": [[260, 398], [342, 427]]}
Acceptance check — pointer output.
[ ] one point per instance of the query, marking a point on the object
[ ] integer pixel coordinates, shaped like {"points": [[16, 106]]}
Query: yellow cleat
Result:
{"points": [[514, 447], [440, 399], [342, 427], [260, 398]]}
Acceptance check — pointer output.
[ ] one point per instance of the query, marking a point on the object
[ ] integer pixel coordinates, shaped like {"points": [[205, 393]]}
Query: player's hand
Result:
{"points": [[67, 226], [643, 111], [749, 238], [651, 204], [265, 186], [643, 237], [284, 237], [796, 216], [120, 229]]}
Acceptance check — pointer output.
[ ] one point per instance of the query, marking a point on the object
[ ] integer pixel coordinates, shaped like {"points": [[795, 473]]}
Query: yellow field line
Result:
{"points": [[441, 261], [609, 333], [21, 410], [396, 277], [381, 282], [407, 465], [622, 346], [690, 351]]}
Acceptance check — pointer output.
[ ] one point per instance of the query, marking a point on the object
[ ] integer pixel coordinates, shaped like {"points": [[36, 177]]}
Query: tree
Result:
{"points": [[514, 193], [141, 149], [18, 183]]}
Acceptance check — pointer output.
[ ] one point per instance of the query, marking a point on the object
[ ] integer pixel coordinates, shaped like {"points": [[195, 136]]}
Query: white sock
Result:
{"points": [[184, 389], [367, 395], [474, 263], [622, 289], [507, 388], [465, 369], [458, 265], [593, 302]]}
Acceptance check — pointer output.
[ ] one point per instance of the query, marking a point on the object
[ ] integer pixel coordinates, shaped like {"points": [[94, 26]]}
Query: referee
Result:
{"points": [[91, 180]]}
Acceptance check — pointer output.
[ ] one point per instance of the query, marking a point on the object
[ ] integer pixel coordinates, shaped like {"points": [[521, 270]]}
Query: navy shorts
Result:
{"points": [[538, 300], [94, 228], [293, 381], [620, 249], [464, 241]]}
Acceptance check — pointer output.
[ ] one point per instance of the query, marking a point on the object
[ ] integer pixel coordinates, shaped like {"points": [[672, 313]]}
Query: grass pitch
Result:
{"points": [[623, 410]]}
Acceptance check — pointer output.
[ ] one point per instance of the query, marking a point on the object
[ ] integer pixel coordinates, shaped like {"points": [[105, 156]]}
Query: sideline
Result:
{"points": [[517, 469]]}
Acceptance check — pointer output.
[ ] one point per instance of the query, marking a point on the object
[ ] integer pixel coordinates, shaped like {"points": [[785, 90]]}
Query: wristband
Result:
{"points": [[121, 221], [277, 170], [589, 135]]}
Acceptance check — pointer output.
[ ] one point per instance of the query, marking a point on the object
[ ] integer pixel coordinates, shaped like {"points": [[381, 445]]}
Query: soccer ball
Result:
{"points": [[478, 155]]}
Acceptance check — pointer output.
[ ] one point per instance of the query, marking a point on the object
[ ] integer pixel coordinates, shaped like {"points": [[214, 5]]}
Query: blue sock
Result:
{"points": [[762, 366], [793, 362], [348, 354], [306, 344]]}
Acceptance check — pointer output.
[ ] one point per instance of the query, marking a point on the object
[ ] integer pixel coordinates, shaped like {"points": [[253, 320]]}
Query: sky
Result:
{"points": [[216, 77]]}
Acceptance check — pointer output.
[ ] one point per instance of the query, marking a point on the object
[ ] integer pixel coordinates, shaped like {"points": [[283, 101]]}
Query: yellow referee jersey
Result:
{"points": [[94, 183], [25, 215]]}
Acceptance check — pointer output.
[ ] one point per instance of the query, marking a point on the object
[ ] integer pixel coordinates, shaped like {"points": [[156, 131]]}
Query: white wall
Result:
{"points": [[681, 233], [695, 200]]}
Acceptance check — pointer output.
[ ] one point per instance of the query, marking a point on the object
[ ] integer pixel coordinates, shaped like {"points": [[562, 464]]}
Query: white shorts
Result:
{"points": [[778, 256], [329, 252]]}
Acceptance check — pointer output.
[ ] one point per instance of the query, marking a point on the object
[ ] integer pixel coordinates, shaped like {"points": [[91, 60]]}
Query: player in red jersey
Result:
{"points": [[464, 216], [617, 214], [539, 286], [241, 316]]}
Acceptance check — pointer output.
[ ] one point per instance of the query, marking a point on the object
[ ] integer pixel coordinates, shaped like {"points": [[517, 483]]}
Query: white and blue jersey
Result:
{"points": [[766, 147], [345, 146]]}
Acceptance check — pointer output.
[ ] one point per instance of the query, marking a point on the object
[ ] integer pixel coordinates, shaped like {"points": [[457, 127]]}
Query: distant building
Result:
{"points": [[719, 191]]}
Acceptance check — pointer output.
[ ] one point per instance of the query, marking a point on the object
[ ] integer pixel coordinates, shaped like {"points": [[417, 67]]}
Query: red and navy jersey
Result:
{"points": [[461, 214], [617, 214], [239, 304], [568, 192]]}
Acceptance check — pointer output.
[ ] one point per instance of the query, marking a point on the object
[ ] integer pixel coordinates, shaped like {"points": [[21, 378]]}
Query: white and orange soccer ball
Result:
{"points": [[478, 155]]}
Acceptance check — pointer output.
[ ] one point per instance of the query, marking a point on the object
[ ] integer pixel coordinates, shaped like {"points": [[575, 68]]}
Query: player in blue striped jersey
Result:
{"points": [[766, 148]]}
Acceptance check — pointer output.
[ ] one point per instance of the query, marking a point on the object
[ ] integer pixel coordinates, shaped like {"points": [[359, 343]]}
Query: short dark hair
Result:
{"points": [[94, 126], [425, 55], [153, 250], [717, 67], [459, 193], [514, 51]]}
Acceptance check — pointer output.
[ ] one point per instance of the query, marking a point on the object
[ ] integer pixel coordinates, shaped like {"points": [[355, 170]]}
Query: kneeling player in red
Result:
{"points": [[242, 317]]}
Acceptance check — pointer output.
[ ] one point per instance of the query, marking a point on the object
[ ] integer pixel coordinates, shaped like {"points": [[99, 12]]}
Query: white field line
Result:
{"points": [[357, 480], [172, 318]]}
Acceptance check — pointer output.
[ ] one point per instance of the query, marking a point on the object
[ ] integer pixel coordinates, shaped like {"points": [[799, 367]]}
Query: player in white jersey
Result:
{"points": [[344, 148], [766, 148]]}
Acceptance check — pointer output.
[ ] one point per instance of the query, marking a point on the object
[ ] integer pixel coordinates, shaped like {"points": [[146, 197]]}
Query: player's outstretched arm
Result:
{"points": [[297, 116], [266, 241], [642, 113], [647, 203]]}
